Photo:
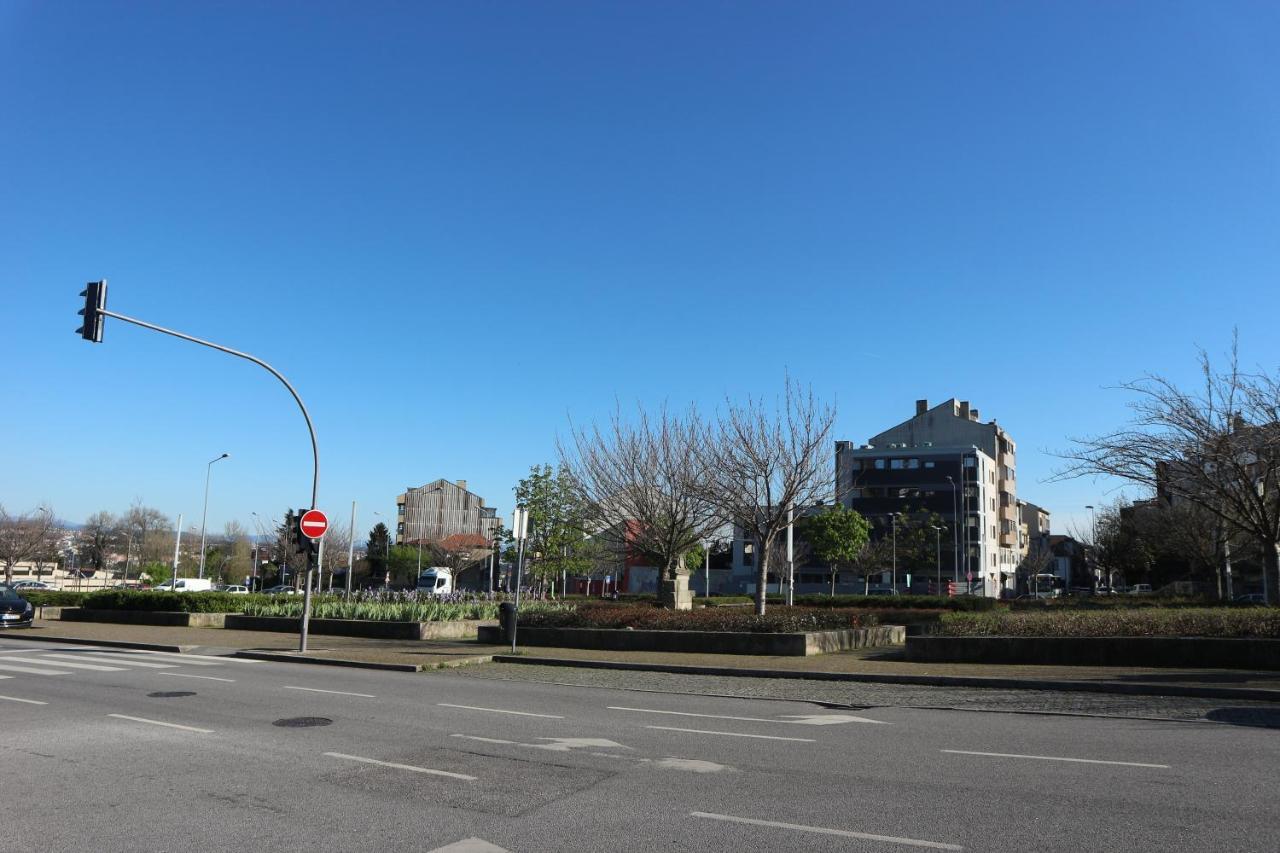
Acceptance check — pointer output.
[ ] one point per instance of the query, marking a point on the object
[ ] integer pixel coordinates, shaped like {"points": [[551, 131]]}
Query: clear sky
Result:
{"points": [[455, 225]]}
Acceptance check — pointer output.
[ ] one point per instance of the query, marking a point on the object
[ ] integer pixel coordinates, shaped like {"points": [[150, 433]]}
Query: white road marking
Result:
{"points": [[500, 711], [489, 740], [822, 830], [131, 660], [731, 734], [2, 677], [564, 744], [161, 723], [395, 766], [174, 657], [73, 661], [798, 719], [31, 670], [337, 692], [204, 677], [16, 699], [470, 845], [1054, 758]]}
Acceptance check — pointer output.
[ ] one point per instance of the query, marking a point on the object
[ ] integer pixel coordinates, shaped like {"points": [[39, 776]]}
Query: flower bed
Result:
{"points": [[781, 620], [396, 607], [1256, 622]]}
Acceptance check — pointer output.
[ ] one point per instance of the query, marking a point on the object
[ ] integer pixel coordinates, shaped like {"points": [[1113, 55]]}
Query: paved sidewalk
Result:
{"points": [[870, 665]]}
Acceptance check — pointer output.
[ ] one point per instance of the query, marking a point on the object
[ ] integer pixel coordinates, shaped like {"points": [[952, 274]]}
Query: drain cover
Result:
{"points": [[167, 694], [302, 722]]}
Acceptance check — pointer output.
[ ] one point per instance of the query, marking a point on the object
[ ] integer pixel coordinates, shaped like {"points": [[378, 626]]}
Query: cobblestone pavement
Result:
{"points": [[1234, 712]]}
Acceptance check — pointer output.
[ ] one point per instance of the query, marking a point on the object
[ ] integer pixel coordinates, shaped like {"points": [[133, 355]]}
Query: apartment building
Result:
{"points": [[441, 509], [946, 460]]}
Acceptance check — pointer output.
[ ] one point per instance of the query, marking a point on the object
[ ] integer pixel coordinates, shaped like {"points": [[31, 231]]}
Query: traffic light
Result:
{"points": [[95, 299], [302, 543]]}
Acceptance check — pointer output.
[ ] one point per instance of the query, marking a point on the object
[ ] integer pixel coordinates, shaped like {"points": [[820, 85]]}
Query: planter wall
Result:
{"points": [[142, 617], [711, 642], [457, 630], [1100, 651]]}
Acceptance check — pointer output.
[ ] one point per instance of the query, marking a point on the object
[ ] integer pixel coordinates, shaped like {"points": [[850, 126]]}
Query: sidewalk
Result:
{"points": [[868, 665]]}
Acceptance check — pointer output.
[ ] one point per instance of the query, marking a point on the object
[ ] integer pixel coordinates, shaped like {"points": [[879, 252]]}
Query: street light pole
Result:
{"points": [[1093, 541], [955, 530], [938, 535], [893, 518], [204, 515]]}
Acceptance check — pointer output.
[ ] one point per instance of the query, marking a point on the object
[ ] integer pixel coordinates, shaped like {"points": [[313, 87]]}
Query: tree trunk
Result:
{"points": [[1271, 572], [833, 581], [762, 580]]}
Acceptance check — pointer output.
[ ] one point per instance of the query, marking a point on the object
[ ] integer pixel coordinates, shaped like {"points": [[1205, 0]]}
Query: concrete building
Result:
{"points": [[944, 460], [441, 509]]}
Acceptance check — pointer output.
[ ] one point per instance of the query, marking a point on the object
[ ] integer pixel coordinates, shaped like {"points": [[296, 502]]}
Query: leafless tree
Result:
{"points": [[149, 527], [23, 537], [874, 556], [97, 537], [765, 461], [1037, 560], [642, 484], [1217, 447]]}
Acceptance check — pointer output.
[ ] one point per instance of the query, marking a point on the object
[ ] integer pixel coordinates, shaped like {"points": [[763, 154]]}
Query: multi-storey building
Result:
{"points": [[947, 461], [438, 510]]}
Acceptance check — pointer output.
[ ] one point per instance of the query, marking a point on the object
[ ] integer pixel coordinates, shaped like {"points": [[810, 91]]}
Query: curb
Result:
{"points": [[294, 657], [991, 682], [117, 644]]}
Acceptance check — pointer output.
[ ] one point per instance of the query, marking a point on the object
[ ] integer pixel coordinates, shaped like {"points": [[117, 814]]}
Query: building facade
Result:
{"points": [[439, 510], [945, 460]]}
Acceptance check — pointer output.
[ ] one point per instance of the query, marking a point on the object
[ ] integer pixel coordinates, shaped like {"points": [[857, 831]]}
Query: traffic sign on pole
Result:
{"points": [[313, 524]]}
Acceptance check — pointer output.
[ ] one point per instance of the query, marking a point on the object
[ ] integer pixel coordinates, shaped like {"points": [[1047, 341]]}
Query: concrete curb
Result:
{"points": [[1074, 686], [118, 644], [294, 657]]}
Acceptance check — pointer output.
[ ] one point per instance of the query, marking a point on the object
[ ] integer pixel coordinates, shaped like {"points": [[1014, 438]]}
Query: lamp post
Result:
{"points": [[893, 518], [1093, 541], [955, 529], [706, 567], [519, 532], [938, 535], [208, 470]]}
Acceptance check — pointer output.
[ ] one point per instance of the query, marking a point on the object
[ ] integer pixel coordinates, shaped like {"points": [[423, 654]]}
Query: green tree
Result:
{"points": [[376, 550], [404, 565], [157, 573], [557, 543], [836, 536]]}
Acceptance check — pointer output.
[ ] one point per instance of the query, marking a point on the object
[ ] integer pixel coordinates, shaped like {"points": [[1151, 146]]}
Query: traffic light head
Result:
{"points": [[95, 300], [302, 543]]}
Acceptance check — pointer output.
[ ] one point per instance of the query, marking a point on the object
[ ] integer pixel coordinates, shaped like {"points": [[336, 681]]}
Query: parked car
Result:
{"points": [[281, 590], [234, 589], [33, 585], [1251, 598], [1140, 589], [15, 611], [187, 585]]}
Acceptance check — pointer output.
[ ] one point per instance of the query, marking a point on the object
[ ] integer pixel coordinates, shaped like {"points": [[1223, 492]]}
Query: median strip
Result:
{"points": [[822, 830], [396, 766], [161, 723], [1054, 758]]}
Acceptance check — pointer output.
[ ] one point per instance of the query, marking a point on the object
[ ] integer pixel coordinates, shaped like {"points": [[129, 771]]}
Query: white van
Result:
{"points": [[187, 585], [436, 580]]}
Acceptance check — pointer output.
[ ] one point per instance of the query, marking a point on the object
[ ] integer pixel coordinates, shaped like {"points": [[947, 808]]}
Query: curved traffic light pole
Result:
{"points": [[315, 450]]}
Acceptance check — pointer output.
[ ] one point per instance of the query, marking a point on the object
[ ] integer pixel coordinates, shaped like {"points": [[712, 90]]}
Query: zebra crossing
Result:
{"points": [[77, 660]]}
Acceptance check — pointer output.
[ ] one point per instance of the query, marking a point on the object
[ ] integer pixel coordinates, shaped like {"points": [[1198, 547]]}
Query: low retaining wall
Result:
{"points": [[456, 630], [711, 642], [1208, 652], [143, 617]]}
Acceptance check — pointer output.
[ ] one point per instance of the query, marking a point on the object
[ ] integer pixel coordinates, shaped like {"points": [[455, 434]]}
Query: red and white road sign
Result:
{"points": [[314, 523]]}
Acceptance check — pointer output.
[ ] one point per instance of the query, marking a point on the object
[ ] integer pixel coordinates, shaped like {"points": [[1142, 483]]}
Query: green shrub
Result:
{"points": [[398, 609], [1117, 622], [643, 617], [182, 602], [53, 597], [896, 602], [1118, 602]]}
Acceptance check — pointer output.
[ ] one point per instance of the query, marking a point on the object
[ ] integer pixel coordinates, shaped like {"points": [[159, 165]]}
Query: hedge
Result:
{"points": [[53, 597], [1121, 602], [1117, 622], [182, 602], [783, 620], [896, 602]]}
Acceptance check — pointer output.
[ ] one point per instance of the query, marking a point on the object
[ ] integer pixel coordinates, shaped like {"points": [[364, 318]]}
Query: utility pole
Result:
{"points": [[177, 544]]}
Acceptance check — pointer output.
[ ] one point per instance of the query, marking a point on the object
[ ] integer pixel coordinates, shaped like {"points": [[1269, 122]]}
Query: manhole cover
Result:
{"points": [[168, 694], [302, 722]]}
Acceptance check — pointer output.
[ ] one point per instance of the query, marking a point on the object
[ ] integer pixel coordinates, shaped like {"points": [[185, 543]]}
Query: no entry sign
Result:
{"points": [[313, 524]]}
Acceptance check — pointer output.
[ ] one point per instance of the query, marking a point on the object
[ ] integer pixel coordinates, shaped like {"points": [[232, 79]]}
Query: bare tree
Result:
{"points": [[1217, 447], [23, 537], [148, 525], [766, 462], [642, 487], [1038, 558], [97, 537], [874, 556]]}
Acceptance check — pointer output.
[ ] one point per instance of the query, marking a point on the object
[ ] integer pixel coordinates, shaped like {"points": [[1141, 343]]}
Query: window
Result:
{"points": [[913, 463], [970, 462], [896, 464], [879, 464], [928, 464]]}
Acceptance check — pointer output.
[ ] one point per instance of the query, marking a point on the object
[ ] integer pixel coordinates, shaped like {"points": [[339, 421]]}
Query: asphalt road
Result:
{"points": [[106, 749]]}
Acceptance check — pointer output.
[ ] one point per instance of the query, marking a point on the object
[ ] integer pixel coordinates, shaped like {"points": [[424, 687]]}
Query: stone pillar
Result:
{"points": [[674, 593]]}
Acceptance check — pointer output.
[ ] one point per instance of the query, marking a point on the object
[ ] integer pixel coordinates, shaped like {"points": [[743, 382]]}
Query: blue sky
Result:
{"points": [[454, 226]]}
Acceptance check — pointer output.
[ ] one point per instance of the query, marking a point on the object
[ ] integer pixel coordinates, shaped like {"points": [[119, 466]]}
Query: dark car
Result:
{"points": [[15, 611]]}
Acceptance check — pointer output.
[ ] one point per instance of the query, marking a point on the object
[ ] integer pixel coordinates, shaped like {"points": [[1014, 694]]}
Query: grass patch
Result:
{"points": [[1255, 622]]}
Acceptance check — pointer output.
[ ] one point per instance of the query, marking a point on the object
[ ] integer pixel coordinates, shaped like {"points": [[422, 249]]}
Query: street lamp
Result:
{"points": [[208, 470], [893, 517], [1093, 540], [955, 530], [938, 536]]}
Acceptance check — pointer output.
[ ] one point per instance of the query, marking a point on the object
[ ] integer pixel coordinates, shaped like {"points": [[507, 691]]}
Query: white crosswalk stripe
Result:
{"points": [[31, 670], [176, 657], [55, 660], [129, 660]]}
